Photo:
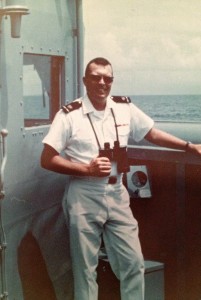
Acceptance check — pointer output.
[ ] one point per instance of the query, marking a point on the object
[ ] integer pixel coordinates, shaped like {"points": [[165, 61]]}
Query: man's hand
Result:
{"points": [[194, 148], [100, 167]]}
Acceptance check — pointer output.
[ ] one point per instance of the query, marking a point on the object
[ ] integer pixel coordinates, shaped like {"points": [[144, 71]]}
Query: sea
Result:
{"points": [[179, 108]]}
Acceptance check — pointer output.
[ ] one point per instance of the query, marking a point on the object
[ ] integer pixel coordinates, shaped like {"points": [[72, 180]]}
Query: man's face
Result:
{"points": [[98, 82]]}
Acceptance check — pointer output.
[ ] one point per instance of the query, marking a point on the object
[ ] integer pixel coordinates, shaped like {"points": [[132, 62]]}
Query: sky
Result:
{"points": [[154, 45]]}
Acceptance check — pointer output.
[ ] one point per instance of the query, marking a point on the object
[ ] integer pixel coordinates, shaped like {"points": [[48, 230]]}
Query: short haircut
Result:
{"points": [[98, 61]]}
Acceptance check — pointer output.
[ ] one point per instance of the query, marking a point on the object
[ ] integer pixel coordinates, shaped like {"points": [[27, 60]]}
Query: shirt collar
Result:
{"points": [[88, 106]]}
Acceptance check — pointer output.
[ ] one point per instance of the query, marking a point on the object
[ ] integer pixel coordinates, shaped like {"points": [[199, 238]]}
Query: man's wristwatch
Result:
{"points": [[187, 146]]}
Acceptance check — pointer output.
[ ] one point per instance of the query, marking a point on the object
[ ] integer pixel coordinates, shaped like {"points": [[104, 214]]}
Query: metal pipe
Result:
{"points": [[4, 134], [80, 56]]}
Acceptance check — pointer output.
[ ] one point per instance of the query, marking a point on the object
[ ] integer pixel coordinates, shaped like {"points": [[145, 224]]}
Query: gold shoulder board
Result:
{"points": [[71, 106], [121, 99]]}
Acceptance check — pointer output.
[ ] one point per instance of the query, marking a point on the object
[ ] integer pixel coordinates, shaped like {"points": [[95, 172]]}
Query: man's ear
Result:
{"points": [[84, 80]]}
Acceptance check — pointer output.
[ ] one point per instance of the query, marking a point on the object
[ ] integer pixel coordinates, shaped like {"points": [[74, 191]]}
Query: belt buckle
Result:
{"points": [[112, 180]]}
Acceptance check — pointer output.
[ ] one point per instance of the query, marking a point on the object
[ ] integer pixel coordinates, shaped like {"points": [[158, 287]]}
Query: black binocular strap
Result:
{"points": [[115, 123]]}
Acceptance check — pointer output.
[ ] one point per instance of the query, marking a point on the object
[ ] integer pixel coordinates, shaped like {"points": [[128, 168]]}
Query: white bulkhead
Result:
{"points": [[40, 68]]}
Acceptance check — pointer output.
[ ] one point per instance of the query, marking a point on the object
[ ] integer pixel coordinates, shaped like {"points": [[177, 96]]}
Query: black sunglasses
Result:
{"points": [[97, 78]]}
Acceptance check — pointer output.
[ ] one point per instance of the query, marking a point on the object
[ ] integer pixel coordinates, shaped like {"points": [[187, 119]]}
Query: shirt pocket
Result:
{"points": [[123, 133], [83, 141]]}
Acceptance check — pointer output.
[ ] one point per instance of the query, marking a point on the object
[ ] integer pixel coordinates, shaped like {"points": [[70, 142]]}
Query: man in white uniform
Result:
{"points": [[96, 203]]}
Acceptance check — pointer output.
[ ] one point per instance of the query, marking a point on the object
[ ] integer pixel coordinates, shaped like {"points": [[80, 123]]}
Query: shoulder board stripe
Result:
{"points": [[71, 106], [121, 99]]}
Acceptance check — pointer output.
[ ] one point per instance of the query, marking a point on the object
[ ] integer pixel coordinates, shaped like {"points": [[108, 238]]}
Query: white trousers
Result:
{"points": [[96, 209]]}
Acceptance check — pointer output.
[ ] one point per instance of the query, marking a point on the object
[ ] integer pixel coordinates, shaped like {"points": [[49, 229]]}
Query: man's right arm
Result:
{"points": [[53, 161]]}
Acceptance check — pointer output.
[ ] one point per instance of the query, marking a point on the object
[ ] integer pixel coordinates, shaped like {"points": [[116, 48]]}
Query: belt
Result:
{"points": [[112, 180], [106, 180]]}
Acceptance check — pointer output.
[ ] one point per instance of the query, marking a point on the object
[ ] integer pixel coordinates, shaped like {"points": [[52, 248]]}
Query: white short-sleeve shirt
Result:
{"points": [[72, 132]]}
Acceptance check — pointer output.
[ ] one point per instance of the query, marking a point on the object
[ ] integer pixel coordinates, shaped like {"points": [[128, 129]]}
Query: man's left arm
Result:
{"points": [[164, 139]]}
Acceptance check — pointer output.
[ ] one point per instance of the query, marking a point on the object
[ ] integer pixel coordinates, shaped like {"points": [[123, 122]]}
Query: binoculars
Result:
{"points": [[118, 154]]}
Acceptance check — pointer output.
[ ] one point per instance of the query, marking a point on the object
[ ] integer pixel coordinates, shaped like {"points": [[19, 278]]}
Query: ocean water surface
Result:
{"points": [[181, 108]]}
